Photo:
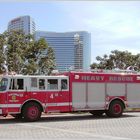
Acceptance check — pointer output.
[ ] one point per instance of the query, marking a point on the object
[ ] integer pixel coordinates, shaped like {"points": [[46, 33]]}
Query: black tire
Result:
{"points": [[17, 116], [31, 112], [115, 109], [97, 113]]}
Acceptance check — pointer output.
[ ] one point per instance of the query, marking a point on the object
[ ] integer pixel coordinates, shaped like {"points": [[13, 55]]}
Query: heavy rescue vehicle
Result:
{"points": [[95, 92]]}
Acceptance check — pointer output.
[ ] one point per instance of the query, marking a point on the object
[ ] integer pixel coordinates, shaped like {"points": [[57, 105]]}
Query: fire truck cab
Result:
{"points": [[27, 96]]}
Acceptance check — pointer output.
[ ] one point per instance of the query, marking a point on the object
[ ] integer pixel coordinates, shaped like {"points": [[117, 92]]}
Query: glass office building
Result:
{"points": [[72, 49], [24, 23]]}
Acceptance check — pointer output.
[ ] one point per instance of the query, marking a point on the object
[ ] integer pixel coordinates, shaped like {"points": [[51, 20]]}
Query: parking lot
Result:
{"points": [[72, 126]]}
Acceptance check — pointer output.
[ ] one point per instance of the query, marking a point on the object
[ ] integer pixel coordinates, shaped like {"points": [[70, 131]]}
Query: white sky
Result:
{"points": [[113, 25]]}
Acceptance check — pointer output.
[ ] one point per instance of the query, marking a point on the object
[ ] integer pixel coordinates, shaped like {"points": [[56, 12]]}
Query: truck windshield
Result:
{"points": [[3, 84]]}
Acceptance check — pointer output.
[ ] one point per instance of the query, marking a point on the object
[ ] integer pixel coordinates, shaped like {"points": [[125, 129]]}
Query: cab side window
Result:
{"points": [[17, 84], [34, 82], [64, 84], [52, 84], [41, 84], [20, 84]]}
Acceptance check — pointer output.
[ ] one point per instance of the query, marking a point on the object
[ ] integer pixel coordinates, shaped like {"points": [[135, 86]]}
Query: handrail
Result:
{"points": [[113, 71]]}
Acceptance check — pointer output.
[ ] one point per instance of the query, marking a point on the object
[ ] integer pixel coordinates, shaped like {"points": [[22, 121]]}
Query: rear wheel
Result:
{"points": [[31, 112], [97, 113], [115, 109]]}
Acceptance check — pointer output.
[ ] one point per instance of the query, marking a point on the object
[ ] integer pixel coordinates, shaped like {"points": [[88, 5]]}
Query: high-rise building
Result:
{"points": [[24, 23], [72, 49]]}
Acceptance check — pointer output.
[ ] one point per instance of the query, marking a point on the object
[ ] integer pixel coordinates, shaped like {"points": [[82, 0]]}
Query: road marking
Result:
{"points": [[77, 132]]}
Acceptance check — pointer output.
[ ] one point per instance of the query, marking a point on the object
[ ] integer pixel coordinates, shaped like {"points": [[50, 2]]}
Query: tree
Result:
{"points": [[40, 58], [16, 42], [47, 63], [117, 59], [24, 54], [2, 56], [32, 56]]}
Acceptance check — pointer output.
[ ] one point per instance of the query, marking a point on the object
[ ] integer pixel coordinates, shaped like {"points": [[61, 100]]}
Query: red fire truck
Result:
{"points": [[95, 92]]}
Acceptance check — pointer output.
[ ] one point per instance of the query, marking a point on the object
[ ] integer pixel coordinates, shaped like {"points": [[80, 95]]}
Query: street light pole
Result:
{"points": [[78, 52], [76, 43]]}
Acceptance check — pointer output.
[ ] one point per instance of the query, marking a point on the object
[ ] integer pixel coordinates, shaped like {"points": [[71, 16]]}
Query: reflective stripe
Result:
{"points": [[9, 105], [48, 104], [59, 104]]}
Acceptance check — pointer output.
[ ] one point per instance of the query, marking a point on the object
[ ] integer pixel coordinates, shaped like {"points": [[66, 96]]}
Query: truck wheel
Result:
{"points": [[31, 112], [115, 109], [97, 113]]}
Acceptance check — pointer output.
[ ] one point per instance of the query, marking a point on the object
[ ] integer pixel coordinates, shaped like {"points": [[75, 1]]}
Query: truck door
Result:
{"points": [[57, 94], [15, 94], [4, 82]]}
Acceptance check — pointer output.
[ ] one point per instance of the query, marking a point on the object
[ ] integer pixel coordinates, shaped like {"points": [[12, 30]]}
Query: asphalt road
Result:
{"points": [[72, 127]]}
